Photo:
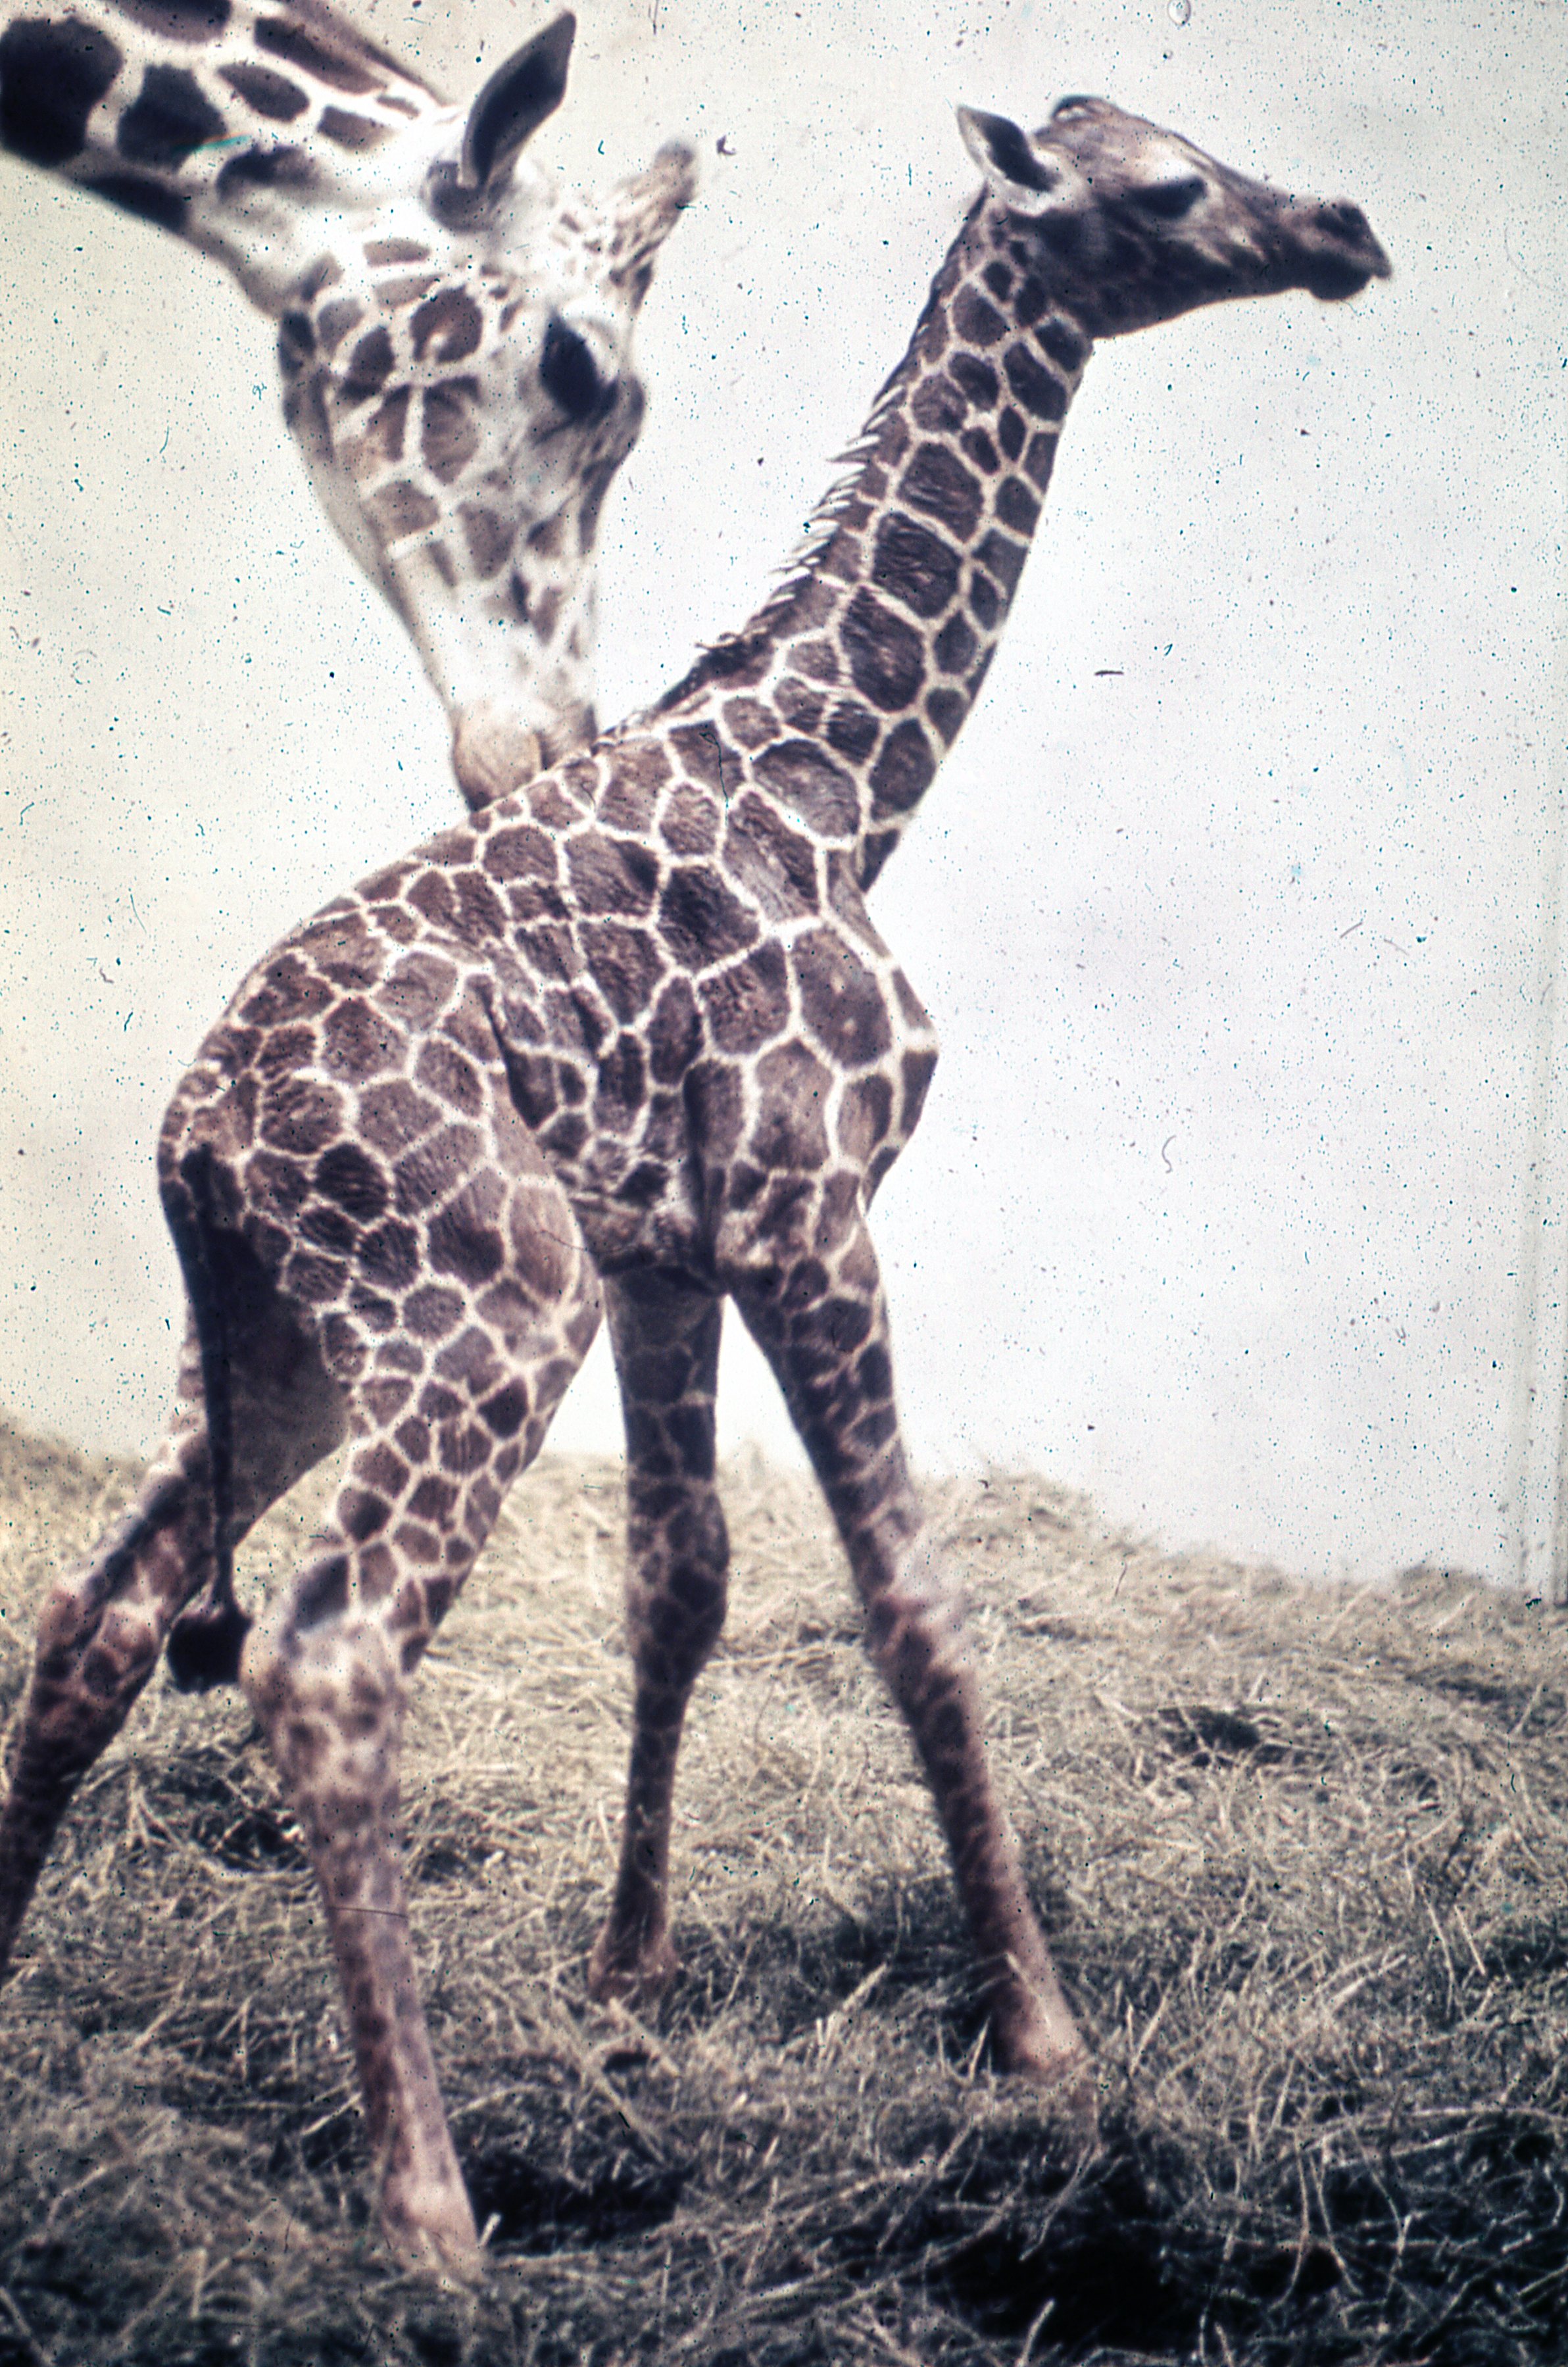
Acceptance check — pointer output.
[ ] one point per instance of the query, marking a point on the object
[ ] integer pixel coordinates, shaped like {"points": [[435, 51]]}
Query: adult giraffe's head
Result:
{"points": [[460, 378], [455, 335], [1131, 224]]}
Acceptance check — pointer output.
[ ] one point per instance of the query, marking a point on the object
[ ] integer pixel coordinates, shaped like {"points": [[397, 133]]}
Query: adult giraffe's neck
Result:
{"points": [[239, 126], [875, 648]]}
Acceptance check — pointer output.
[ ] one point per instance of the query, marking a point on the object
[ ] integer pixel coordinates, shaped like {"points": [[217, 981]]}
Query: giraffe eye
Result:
{"points": [[569, 374], [1168, 200]]}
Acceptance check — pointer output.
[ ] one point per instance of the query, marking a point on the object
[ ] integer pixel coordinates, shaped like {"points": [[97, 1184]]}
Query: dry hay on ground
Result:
{"points": [[1302, 1851]]}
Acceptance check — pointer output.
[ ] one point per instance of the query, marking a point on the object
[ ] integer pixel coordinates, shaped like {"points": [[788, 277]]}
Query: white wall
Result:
{"points": [[1236, 1203]]}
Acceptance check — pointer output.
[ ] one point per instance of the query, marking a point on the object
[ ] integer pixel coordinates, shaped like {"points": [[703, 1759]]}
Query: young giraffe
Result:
{"points": [[631, 1033], [455, 337]]}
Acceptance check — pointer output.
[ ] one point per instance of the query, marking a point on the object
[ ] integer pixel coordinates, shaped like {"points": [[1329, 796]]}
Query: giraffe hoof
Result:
{"points": [[1035, 2038], [437, 2240], [204, 1647], [436, 2259], [1062, 2073], [620, 1973]]}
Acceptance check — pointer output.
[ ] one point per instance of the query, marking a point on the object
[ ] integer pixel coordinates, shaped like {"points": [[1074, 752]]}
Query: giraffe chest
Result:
{"points": [[720, 1109], [697, 1014]]}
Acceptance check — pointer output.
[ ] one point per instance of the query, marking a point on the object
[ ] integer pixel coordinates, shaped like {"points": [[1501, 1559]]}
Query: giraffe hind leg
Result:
{"points": [[665, 1337], [443, 1413], [104, 1623]]}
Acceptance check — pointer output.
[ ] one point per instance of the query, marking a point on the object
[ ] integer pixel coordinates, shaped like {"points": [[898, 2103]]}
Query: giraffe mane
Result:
{"points": [[732, 652]]}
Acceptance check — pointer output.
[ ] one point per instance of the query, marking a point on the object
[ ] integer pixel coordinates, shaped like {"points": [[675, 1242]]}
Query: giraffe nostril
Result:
{"points": [[1348, 221]]}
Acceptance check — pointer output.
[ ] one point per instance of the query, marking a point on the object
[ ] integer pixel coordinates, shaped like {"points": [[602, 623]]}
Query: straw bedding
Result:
{"points": [[1302, 1851]]}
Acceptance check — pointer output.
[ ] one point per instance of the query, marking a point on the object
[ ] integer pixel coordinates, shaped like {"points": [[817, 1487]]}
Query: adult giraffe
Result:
{"points": [[631, 1036], [455, 335]]}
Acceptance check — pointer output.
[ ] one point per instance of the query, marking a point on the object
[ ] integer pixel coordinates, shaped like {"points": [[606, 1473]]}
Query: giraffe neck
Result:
{"points": [[875, 648], [242, 129]]}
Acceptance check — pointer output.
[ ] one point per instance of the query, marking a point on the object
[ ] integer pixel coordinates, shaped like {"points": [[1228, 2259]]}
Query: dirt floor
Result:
{"points": [[1302, 1851]]}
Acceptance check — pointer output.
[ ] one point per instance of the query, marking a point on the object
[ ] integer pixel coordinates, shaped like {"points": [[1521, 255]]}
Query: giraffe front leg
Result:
{"points": [[665, 1337], [825, 1332]]}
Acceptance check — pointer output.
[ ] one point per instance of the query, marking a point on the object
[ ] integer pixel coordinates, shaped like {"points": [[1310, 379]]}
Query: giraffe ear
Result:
{"points": [[515, 102], [1016, 175]]}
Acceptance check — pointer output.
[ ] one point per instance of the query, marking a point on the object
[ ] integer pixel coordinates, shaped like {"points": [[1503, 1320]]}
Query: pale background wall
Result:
{"points": [[1235, 1203]]}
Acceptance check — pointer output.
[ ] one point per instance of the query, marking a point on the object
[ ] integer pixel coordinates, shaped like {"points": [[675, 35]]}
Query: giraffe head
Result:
{"points": [[456, 335], [457, 372], [1134, 225]]}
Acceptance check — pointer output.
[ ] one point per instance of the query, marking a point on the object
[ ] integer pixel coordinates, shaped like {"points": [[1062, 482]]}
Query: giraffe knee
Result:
{"points": [[914, 1629], [701, 1574], [693, 1603], [91, 1661], [110, 1645], [72, 1611], [329, 1697]]}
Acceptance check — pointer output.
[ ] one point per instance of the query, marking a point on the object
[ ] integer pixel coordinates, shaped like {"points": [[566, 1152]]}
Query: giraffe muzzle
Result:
{"points": [[1333, 252]]}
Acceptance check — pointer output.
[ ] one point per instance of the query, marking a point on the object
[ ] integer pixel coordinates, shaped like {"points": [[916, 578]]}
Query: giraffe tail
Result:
{"points": [[207, 1639]]}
